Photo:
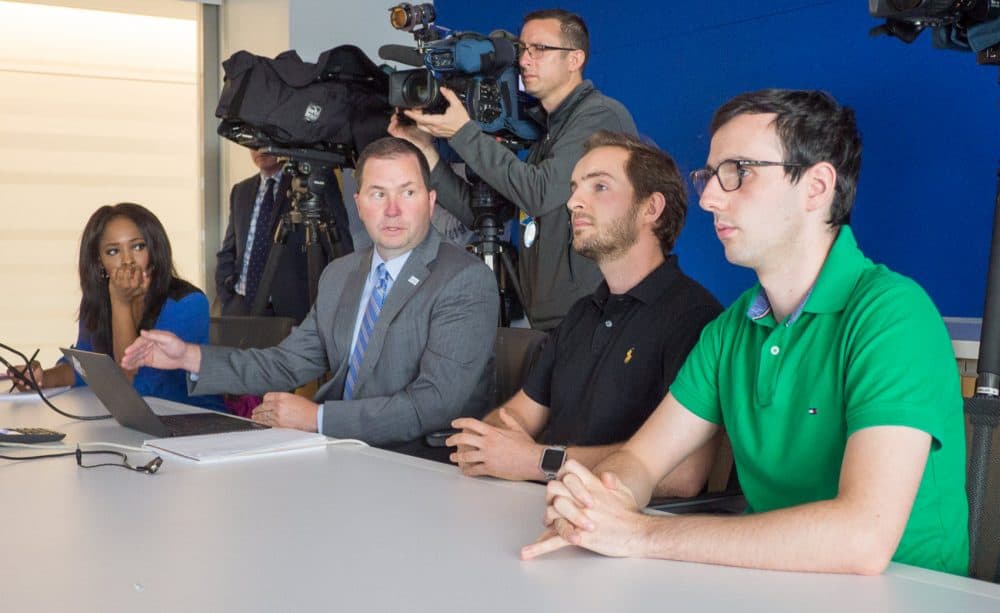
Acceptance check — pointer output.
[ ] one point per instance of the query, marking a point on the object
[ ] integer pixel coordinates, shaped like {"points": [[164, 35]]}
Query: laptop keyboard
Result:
{"points": [[206, 423]]}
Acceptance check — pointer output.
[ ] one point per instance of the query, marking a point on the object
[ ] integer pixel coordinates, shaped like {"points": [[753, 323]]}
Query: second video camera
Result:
{"points": [[481, 70]]}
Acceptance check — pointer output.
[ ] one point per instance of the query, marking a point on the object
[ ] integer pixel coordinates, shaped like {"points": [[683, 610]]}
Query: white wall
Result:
{"points": [[318, 25], [260, 27], [96, 107]]}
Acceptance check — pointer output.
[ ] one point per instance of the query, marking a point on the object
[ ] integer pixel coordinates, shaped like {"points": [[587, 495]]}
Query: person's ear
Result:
{"points": [[653, 207], [821, 185]]}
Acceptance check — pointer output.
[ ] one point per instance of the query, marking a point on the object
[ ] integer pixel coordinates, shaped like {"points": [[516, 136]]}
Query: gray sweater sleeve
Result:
{"points": [[536, 188]]}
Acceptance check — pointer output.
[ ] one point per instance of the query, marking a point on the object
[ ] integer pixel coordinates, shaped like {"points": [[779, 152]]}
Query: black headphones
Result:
{"points": [[148, 468]]}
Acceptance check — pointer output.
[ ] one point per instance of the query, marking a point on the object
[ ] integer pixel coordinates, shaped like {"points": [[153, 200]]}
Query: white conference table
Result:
{"points": [[350, 528]]}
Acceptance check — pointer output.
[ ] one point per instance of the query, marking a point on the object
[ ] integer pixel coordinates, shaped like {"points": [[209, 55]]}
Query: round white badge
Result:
{"points": [[530, 233]]}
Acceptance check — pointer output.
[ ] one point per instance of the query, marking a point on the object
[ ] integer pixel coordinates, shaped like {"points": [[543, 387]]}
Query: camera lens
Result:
{"points": [[419, 89], [405, 16]]}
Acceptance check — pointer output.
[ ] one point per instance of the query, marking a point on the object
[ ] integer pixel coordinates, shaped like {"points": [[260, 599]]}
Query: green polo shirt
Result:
{"points": [[866, 348]]}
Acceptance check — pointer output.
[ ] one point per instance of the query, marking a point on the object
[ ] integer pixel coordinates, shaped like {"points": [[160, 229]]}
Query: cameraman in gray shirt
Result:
{"points": [[552, 52]]}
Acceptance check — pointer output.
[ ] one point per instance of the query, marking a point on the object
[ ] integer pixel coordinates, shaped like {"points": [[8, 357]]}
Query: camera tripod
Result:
{"points": [[983, 408], [310, 171], [490, 210]]}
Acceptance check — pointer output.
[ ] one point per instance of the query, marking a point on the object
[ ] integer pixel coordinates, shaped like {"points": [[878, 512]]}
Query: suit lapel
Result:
{"points": [[410, 279], [281, 202]]}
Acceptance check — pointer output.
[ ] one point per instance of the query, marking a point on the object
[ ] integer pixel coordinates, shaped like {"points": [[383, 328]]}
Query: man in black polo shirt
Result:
{"points": [[610, 362]]}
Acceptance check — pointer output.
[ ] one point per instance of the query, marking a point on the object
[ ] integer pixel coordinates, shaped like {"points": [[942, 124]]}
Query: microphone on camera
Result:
{"points": [[402, 54]]}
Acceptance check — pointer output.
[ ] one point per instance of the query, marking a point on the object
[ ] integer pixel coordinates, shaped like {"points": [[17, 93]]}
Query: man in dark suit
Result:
{"points": [[405, 329], [256, 205]]}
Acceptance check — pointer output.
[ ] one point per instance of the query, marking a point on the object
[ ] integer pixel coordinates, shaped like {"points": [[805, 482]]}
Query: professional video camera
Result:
{"points": [[481, 70], [966, 25]]}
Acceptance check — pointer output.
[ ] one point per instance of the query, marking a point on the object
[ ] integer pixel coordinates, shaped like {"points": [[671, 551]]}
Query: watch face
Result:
{"points": [[552, 460]]}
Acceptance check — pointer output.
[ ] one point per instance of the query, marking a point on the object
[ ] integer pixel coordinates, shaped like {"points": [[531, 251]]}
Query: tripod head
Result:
{"points": [[310, 170], [312, 182]]}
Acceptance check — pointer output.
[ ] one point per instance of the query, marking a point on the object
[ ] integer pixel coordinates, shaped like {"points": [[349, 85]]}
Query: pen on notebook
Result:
{"points": [[33, 356]]}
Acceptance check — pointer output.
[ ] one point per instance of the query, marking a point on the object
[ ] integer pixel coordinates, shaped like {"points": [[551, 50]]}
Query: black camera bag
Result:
{"points": [[340, 100]]}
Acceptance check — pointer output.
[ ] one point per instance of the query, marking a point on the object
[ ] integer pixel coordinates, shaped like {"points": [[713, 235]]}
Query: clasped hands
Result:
{"points": [[506, 452], [596, 513]]}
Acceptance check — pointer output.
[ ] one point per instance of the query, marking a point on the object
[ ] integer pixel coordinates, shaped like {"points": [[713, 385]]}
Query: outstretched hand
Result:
{"points": [[163, 350]]}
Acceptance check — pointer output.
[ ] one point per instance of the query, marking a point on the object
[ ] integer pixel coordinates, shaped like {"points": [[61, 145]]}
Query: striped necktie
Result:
{"points": [[261, 244], [372, 311]]}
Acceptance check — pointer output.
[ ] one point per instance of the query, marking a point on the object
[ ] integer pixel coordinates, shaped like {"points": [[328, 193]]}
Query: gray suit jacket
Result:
{"points": [[429, 359]]}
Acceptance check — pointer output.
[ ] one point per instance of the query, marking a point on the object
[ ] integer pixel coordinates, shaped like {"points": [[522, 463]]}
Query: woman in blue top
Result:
{"points": [[129, 284]]}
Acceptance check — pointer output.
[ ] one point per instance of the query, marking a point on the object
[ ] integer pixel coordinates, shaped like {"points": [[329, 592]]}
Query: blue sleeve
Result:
{"points": [[83, 343], [188, 319]]}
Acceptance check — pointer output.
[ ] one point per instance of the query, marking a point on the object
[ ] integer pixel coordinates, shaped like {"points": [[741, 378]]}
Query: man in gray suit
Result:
{"points": [[406, 329]]}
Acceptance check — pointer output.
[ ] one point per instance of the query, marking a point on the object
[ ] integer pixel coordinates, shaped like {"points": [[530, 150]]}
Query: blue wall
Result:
{"points": [[928, 118]]}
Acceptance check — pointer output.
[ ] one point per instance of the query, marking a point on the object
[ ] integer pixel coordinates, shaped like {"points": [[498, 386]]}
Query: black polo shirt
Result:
{"points": [[612, 359]]}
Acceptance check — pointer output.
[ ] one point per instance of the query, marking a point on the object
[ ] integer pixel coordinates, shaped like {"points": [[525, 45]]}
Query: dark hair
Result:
{"points": [[95, 305], [391, 147], [650, 170], [574, 30], [813, 128]]}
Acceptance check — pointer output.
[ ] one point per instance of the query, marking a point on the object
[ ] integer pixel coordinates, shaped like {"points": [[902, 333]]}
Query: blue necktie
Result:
{"points": [[367, 325], [261, 243]]}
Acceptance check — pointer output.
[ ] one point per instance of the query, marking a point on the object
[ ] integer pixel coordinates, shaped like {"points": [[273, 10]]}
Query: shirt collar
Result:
{"points": [[538, 113], [276, 176], [394, 266], [841, 270], [649, 289]]}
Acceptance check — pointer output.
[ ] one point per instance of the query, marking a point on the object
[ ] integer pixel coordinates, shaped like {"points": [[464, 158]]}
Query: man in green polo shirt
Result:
{"points": [[833, 376]]}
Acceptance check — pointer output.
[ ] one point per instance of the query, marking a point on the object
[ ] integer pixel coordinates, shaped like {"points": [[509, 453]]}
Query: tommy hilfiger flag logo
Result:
{"points": [[813, 410]]}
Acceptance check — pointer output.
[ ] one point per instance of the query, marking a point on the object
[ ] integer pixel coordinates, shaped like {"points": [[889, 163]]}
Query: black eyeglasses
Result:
{"points": [[536, 49], [730, 173]]}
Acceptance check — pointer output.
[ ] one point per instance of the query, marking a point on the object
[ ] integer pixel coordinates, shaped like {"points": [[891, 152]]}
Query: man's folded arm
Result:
{"points": [[540, 187], [668, 437], [858, 531]]}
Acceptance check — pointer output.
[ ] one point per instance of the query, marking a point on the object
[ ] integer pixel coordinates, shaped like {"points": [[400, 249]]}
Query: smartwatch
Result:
{"points": [[552, 461]]}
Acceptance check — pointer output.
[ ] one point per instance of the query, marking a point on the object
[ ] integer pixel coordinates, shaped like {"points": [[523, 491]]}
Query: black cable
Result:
{"points": [[29, 380], [149, 468]]}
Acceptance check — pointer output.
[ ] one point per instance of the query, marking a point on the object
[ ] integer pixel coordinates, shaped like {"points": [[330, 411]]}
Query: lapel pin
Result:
{"points": [[413, 280]]}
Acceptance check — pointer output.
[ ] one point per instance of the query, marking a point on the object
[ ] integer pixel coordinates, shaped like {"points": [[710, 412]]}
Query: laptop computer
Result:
{"points": [[129, 409]]}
